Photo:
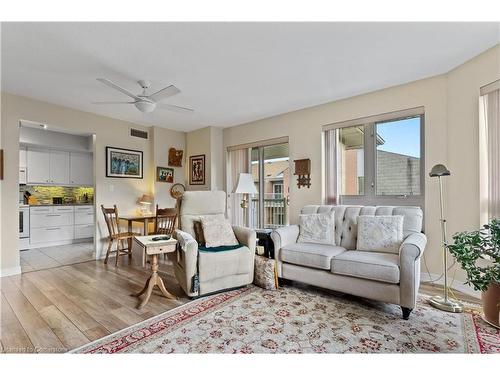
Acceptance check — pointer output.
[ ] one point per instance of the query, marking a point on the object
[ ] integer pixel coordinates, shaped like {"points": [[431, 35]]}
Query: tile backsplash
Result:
{"points": [[69, 194]]}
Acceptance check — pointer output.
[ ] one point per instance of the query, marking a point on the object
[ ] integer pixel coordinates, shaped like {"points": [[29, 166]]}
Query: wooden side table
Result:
{"points": [[153, 249]]}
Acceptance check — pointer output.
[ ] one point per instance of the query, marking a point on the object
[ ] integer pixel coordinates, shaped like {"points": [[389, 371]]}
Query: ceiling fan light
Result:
{"points": [[145, 106]]}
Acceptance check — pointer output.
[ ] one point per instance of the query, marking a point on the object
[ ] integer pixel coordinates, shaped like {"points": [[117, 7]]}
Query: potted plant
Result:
{"points": [[478, 253]]}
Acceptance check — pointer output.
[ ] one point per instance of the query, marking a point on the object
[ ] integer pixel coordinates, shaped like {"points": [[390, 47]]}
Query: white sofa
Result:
{"points": [[392, 278], [216, 271]]}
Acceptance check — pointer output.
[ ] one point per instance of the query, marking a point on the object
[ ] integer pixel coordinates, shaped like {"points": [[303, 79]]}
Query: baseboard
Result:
{"points": [[10, 271], [457, 285]]}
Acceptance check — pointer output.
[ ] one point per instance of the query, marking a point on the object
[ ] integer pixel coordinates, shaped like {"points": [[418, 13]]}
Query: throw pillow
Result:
{"points": [[265, 273], [217, 231], [380, 233], [317, 228]]}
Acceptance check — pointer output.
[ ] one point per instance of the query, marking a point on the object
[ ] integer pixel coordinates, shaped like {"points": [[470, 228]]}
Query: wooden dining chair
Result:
{"points": [[116, 235], [165, 221]]}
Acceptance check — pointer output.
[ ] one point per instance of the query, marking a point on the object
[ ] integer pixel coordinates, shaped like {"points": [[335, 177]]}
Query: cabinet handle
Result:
{"points": [[52, 228], [52, 215]]}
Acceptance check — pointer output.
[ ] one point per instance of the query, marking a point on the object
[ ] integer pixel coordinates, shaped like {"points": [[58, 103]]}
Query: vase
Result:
{"points": [[491, 305]]}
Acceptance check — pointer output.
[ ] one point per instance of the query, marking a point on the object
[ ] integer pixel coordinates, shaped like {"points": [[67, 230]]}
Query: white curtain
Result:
{"points": [[492, 117], [238, 162], [331, 183]]}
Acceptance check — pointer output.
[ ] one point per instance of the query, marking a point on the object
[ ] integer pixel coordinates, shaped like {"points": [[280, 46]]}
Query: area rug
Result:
{"points": [[301, 320]]}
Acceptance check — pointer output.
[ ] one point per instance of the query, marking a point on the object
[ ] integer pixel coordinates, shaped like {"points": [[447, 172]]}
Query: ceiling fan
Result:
{"points": [[146, 103]]}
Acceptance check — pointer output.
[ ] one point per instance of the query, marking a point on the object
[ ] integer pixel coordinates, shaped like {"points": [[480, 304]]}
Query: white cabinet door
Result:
{"points": [[38, 166], [59, 167], [81, 169], [22, 157]]}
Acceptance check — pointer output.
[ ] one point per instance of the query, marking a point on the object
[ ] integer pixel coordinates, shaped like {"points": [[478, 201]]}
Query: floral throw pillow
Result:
{"points": [[217, 231], [380, 233], [317, 228]]}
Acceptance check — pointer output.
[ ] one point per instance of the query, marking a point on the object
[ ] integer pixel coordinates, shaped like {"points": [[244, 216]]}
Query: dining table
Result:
{"points": [[144, 219]]}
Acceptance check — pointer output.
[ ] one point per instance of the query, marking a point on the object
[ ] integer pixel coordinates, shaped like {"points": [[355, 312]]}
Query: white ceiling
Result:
{"points": [[230, 73]]}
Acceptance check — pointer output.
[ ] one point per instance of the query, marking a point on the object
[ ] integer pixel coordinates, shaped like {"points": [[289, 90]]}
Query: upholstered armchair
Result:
{"points": [[201, 272]]}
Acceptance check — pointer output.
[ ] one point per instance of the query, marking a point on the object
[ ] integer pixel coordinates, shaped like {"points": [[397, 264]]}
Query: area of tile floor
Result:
{"points": [[55, 256]]}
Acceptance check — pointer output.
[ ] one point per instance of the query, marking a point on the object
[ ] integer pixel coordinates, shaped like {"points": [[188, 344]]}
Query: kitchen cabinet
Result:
{"points": [[55, 225], [38, 166], [59, 167], [54, 167], [22, 157], [81, 172]]}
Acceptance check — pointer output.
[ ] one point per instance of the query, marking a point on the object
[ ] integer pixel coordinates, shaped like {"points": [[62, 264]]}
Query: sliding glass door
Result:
{"points": [[270, 169]]}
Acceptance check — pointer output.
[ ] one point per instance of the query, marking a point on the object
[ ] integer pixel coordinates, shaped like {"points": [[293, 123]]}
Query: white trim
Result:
{"points": [[394, 115], [457, 285], [263, 143], [486, 89], [10, 271]]}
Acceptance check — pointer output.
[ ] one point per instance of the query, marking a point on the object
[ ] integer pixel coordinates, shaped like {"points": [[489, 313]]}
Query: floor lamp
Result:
{"points": [[245, 185], [443, 302]]}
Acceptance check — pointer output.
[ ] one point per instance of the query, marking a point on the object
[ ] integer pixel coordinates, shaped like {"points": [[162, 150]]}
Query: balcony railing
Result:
{"points": [[275, 211]]}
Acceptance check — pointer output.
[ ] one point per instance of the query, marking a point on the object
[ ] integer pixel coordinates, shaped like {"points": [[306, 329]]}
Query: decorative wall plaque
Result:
{"points": [[303, 171]]}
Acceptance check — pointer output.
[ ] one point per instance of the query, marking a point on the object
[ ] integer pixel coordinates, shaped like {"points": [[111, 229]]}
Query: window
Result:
{"points": [[398, 157], [376, 160], [351, 158], [278, 189]]}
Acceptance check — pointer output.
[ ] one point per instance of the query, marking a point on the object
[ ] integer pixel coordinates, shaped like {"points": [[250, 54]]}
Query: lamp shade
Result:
{"points": [[439, 170], [146, 199], [245, 185]]}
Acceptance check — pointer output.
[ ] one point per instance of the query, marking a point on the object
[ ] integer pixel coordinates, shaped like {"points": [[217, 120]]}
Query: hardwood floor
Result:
{"points": [[58, 309]]}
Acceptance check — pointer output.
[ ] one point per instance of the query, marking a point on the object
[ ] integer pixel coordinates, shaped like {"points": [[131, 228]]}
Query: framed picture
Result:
{"points": [[197, 170], [174, 157], [123, 163], [164, 174]]}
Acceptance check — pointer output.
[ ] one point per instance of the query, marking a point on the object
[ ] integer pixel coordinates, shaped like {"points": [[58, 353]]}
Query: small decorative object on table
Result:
{"points": [[174, 157], [164, 174], [303, 170]]}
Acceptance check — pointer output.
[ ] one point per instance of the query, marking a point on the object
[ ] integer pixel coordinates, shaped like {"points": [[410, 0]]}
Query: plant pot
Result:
{"points": [[491, 305]]}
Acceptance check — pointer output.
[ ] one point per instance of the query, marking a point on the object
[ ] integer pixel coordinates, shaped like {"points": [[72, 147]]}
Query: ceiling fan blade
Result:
{"points": [[113, 85], [175, 108], [164, 93], [113, 103]]}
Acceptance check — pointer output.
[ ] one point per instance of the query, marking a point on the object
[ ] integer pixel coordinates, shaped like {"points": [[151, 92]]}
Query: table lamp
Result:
{"points": [[145, 202], [443, 302], [245, 185]]}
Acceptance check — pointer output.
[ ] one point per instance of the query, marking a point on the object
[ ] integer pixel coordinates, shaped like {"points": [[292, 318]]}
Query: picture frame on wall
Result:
{"points": [[175, 157], [124, 163], [197, 170], [164, 174]]}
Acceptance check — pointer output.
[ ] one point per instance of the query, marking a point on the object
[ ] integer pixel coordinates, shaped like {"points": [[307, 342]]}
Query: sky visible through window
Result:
{"points": [[401, 137]]}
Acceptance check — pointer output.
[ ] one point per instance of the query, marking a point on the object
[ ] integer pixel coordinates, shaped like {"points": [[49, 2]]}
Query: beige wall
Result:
{"points": [[451, 128], [109, 132], [162, 139], [206, 141]]}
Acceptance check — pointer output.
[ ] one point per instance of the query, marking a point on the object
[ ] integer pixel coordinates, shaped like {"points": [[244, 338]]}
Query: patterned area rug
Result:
{"points": [[299, 320]]}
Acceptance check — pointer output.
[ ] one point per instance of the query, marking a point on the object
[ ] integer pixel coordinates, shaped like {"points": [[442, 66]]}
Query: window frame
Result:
{"points": [[370, 196]]}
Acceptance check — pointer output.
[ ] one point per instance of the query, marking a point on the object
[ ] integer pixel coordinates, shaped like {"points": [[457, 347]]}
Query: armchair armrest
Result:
{"points": [[246, 236], [187, 253]]}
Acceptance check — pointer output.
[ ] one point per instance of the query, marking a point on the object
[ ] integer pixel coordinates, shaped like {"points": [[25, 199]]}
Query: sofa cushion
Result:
{"points": [[382, 234], [225, 263], [310, 254], [217, 231], [317, 228], [367, 265]]}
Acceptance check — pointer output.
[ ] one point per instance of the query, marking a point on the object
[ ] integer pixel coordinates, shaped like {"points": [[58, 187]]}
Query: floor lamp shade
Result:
{"points": [[245, 185]]}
